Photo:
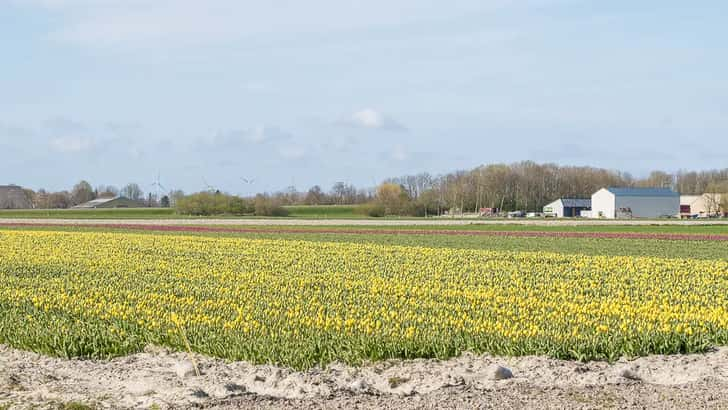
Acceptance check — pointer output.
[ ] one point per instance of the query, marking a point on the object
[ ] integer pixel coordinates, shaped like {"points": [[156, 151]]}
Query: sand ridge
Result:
{"points": [[158, 377]]}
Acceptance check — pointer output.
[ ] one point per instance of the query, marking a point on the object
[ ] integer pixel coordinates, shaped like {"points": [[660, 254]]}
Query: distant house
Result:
{"points": [[567, 207], [635, 202], [488, 211], [13, 197], [702, 206], [118, 202]]}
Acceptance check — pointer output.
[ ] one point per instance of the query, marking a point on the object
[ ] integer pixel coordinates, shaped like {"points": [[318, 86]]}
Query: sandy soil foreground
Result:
{"points": [[158, 378], [364, 222]]}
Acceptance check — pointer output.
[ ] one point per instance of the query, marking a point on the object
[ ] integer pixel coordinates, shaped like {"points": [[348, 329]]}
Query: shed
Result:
{"points": [[118, 202], [635, 202], [567, 207]]}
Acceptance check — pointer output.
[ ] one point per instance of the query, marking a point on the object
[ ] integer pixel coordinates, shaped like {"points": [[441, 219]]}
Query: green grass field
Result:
{"points": [[324, 212], [119, 213], [312, 212]]}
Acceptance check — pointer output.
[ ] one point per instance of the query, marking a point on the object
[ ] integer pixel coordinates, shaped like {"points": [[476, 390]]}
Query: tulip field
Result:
{"points": [[305, 303]]}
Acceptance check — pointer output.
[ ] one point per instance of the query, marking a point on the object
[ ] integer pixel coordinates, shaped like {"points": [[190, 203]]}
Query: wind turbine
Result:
{"points": [[157, 184], [208, 186], [248, 181]]}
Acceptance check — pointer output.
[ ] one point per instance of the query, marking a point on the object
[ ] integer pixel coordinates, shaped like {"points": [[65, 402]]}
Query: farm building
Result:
{"points": [[635, 202], [567, 207], [119, 202], [701, 206], [13, 197]]}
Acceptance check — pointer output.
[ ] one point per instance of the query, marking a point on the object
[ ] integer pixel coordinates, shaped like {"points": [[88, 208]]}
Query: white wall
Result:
{"points": [[602, 203], [650, 206], [557, 207], [704, 205]]}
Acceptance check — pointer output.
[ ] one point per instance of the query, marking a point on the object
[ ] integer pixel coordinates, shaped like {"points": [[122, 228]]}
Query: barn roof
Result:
{"points": [[98, 202], [652, 192], [95, 202], [576, 202]]}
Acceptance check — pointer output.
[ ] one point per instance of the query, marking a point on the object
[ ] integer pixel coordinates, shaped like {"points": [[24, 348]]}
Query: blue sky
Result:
{"points": [[292, 92]]}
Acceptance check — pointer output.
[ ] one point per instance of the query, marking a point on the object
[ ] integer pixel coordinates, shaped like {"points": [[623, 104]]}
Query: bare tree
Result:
{"points": [[315, 196], [107, 191], [715, 198], [174, 196], [133, 192], [343, 193], [59, 200]]}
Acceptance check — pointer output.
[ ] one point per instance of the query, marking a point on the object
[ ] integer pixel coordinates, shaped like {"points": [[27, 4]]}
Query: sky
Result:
{"points": [[283, 92]]}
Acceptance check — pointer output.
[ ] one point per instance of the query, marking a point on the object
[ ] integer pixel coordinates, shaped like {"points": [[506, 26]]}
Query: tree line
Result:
{"points": [[83, 192], [523, 185]]}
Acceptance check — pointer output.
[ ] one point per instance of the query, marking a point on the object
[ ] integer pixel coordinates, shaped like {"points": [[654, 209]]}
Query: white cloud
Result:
{"points": [[114, 139], [370, 118], [71, 144]]}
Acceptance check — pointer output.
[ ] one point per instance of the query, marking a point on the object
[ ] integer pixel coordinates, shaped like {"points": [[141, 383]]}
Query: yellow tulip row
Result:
{"points": [[304, 303]]}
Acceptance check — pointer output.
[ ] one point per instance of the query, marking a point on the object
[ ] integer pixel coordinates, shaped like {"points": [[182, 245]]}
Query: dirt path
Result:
{"points": [[703, 395], [363, 231], [167, 379]]}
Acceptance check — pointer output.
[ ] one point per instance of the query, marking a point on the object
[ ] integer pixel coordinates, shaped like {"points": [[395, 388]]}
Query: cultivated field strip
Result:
{"points": [[85, 218], [301, 304], [361, 231]]}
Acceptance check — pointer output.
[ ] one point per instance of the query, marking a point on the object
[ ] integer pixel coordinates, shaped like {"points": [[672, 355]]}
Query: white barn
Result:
{"points": [[567, 207], [635, 202], [701, 206]]}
